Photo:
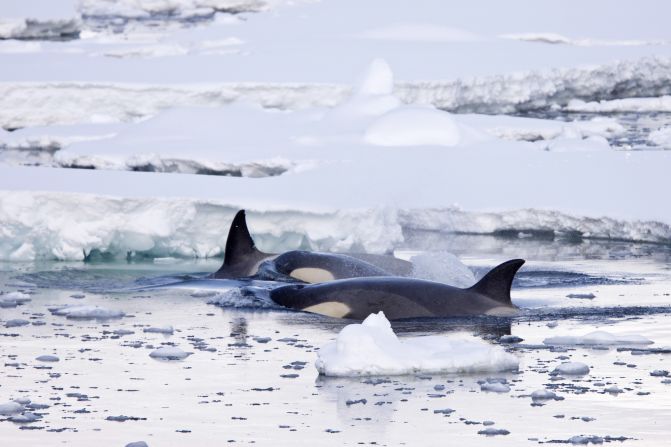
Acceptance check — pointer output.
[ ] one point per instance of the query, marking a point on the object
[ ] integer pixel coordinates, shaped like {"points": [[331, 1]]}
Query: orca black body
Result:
{"points": [[242, 260], [403, 297]]}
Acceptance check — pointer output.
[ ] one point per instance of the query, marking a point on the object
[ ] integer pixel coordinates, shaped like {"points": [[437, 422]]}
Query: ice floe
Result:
{"points": [[85, 312], [169, 353], [372, 348], [571, 369], [598, 338]]}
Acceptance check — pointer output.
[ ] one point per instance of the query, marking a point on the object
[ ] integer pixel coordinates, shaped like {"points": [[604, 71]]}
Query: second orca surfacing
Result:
{"points": [[403, 297]]}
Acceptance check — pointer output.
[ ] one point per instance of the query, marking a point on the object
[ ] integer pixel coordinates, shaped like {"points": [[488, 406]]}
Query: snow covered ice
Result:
{"points": [[371, 348]]}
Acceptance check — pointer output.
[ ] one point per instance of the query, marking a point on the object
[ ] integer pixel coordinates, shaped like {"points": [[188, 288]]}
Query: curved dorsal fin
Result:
{"points": [[239, 244], [497, 282]]}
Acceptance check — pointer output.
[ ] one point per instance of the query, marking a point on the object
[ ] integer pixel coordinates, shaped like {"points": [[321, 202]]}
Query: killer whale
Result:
{"points": [[402, 298], [242, 260]]}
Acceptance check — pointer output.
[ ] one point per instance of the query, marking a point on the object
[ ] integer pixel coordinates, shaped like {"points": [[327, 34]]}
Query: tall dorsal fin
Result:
{"points": [[239, 245], [497, 282]]}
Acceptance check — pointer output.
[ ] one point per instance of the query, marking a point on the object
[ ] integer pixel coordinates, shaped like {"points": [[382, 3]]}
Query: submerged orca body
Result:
{"points": [[403, 297], [242, 260]]}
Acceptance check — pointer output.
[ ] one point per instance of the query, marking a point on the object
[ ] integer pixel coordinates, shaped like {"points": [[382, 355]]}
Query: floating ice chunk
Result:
{"points": [[204, 293], [572, 369], [47, 358], [490, 431], [598, 338], [495, 387], [584, 440], [17, 296], [13, 299], [137, 444], [168, 330], [613, 389], [581, 296], [660, 373], [17, 322], [510, 339], [542, 395], [25, 418], [442, 267], [414, 126], [122, 332], [169, 353], [85, 312], [10, 408], [372, 348]]}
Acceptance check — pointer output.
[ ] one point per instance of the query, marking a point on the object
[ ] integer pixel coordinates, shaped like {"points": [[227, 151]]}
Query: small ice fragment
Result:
{"points": [[262, 339], [584, 440], [13, 299], [490, 431], [443, 411], [495, 387], [47, 358], [25, 418], [85, 312], [581, 296], [10, 408], [541, 395], [572, 369], [137, 444], [169, 353], [17, 322], [78, 296], [552, 324], [509, 339], [121, 332], [168, 330], [203, 293], [659, 373], [598, 338], [613, 390]]}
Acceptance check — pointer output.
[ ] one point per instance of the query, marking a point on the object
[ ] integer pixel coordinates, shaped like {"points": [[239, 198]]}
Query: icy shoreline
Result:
{"points": [[193, 228]]}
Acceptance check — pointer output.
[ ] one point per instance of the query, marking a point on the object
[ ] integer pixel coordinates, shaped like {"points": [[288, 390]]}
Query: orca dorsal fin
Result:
{"points": [[239, 245], [497, 282]]}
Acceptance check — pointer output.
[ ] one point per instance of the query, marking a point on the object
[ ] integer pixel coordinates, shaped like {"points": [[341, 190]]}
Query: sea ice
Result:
{"points": [[47, 358], [10, 408], [571, 369], [169, 353], [167, 330], [16, 322], [372, 348], [598, 338], [85, 312]]}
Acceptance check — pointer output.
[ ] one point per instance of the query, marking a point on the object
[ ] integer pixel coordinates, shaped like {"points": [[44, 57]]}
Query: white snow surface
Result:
{"points": [[371, 348], [23, 103], [598, 338], [661, 137]]}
